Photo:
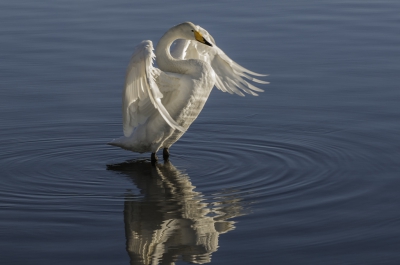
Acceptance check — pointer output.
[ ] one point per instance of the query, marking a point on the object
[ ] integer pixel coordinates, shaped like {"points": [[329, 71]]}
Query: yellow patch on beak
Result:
{"points": [[200, 38]]}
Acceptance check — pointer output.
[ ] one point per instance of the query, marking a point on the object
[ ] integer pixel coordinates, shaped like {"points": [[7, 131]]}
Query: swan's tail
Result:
{"points": [[119, 142]]}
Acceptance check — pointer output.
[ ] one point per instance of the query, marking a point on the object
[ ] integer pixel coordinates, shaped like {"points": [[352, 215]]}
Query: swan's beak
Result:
{"points": [[200, 38]]}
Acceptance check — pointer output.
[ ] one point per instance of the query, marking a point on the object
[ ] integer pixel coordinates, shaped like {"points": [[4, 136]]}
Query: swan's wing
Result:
{"points": [[178, 49], [166, 81], [185, 49], [141, 96], [230, 76]]}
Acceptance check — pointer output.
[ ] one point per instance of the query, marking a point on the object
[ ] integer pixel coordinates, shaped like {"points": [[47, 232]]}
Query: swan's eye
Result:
{"points": [[192, 30]]}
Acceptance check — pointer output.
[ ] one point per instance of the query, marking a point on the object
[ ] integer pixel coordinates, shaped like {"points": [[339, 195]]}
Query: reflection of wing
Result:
{"points": [[142, 96], [170, 218], [230, 76]]}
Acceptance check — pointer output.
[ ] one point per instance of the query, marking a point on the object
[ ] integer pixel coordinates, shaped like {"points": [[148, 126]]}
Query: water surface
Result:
{"points": [[306, 173]]}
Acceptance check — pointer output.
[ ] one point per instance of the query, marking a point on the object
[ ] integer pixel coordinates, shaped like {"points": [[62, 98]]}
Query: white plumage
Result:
{"points": [[158, 105]]}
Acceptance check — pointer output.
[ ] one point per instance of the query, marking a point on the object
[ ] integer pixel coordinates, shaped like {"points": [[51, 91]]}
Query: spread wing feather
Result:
{"points": [[230, 76], [141, 95]]}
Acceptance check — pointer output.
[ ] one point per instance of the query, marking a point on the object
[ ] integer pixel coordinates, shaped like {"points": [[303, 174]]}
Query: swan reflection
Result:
{"points": [[168, 219]]}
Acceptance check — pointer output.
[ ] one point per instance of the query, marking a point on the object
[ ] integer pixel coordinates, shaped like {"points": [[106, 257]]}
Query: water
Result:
{"points": [[306, 173]]}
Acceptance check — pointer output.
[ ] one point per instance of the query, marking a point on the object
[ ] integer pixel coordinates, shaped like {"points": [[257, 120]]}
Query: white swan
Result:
{"points": [[158, 105]]}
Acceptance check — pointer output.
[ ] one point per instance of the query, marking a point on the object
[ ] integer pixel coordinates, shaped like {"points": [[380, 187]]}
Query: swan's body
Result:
{"points": [[160, 104]]}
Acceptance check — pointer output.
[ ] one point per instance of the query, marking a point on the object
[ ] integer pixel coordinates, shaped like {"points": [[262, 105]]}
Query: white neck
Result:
{"points": [[164, 58]]}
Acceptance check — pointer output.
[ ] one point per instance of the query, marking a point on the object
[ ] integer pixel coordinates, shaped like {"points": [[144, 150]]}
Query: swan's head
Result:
{"points": [[189, 31]]}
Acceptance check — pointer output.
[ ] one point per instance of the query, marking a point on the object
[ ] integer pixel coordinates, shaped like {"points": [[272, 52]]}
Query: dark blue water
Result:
{"points": [[306, 173]]}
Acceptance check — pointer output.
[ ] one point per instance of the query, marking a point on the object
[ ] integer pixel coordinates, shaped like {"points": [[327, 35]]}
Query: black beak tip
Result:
{"points": [[207, 43]]}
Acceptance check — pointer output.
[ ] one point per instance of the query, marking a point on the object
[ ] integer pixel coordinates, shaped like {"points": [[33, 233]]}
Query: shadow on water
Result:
{"points": [[168, 220]]}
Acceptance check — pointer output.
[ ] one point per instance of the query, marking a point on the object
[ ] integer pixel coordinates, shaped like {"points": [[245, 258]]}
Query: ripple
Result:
{"points": [[276, 169], [40, 167], [257, 168], [289, 172]]}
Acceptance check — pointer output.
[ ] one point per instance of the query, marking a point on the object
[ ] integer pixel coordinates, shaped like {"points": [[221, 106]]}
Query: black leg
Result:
{"points": [[165, 154], [153, 158]]}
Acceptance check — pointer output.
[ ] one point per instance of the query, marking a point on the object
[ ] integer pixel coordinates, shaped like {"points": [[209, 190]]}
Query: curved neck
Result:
{"points": [[164, 58]]}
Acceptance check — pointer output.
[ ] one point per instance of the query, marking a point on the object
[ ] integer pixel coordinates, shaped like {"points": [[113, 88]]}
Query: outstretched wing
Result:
{"points": [[230, 76], [141, 96]]}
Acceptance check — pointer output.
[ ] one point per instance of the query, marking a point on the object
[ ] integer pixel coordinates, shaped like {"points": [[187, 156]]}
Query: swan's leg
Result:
{"points": [[153, 158], [165, 153]]}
